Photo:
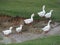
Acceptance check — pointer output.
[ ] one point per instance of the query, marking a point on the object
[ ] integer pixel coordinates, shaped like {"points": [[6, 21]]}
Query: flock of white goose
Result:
{"points": [[30, 20]]}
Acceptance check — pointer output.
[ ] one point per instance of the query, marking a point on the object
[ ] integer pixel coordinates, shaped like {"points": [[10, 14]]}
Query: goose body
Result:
{"points": [[48, 15], [42, 13], [47, 28], [30, 20], [18, 29], [7, 32]]}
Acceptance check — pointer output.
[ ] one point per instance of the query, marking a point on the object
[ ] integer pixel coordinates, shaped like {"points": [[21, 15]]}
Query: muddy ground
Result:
{"points": [[29, 32]]}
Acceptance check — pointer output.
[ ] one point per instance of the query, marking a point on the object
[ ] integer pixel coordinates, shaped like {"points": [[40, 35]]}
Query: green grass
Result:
{"points": [[53, 40], [24, 8], [1, 38]]}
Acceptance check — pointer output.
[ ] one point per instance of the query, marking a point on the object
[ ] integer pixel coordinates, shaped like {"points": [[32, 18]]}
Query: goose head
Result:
{"points": [[10, 28]]}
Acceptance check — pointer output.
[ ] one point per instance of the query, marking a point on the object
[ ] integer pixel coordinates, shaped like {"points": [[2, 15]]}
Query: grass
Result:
{"points": [[1, 38], [24, 8], [52, 40]]}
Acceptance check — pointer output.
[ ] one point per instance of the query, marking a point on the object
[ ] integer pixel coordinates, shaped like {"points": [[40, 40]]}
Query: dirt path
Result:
{"points": [[54, 31], [15, 38]]}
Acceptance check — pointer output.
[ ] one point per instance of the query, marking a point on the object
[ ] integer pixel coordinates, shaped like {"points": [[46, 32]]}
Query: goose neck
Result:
{"points": [[20, 25], [31, 17], [10, 28], [43, 8], [51, 11], [49, 23]]}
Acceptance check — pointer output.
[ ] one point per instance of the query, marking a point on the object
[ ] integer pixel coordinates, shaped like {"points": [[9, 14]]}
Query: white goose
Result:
{"points": [[48, 15], [30, 20], [42, 13], [7, 32], [47, 28], [18, 29]]}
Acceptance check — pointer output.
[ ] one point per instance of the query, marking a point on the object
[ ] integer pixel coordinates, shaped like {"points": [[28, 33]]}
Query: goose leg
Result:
{"points": [[6, 35], [46, 32], [20, 32], [30, 24]]}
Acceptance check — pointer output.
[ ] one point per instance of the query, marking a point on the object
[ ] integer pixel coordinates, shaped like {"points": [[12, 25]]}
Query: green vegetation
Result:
{"points": [[24, 8], [53, 40], [1, 38]]}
